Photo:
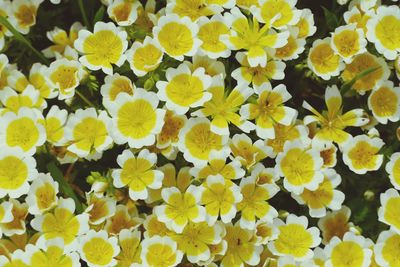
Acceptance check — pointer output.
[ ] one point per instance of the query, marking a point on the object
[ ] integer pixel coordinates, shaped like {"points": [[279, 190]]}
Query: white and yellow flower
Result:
{"points": [[359, 17], [197, 141], [62, 223], [323, 60], [220, 199], [23, 14], [38, 78], [278, 13], [130, 245], [102, 48], [22, 130], [300, 166], [123, 12], [352, 250], [17, 226], [42, 195], [123, 218], [160, 251], [180, 208], [97, 249], [263, 175], [294, 238], [383, 31], [113, 86], [137, 172], [100, 208], [325, 196], [293, 48], [54, 124], [177, 36], [393, 169], [389, 212], [306, 24], [6, 215], [136, 120], [15, 259], [360, 154], [335, 223], [384, 102], [386, 249], [184, 89], [12, 101], [173, 124], [348, 41], [144, 57], [87, 132]]}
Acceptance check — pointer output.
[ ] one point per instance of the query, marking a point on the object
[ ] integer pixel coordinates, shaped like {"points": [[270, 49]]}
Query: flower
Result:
{"points": [[300, 166], [160, 251], [130, 245], [220, 199], [197, 141], [12, 101], [323, 60], [242, 247], [223, 108], [393, 169], [279, 13], [123, 12], [269, 109], [180, 208], [62, 223], [105, 46], [333, 122], [113, 86], [306, 24], [16, 259], [247, 35], [348, 41], [54, 123], [335, 223], [389, 212], [6, 215], [100, 208], [294, 47], [384, 102], [16, 170], [352, 251], [383, 31], [87, 132], [22, 130], [17, 225], [173, 123], [359, 17], [325, 196], [385, 248], [360, 154], [185, 89], [137, 173], [23, 14], [42, 195], [177, 36], [294, 239], [122, 219], [144, 57], [136, 120], [254, 205]]}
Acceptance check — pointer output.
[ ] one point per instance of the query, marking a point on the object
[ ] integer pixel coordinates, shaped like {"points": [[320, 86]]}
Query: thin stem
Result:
{"points": [[23, 40], [87, 101], [83, 13]]}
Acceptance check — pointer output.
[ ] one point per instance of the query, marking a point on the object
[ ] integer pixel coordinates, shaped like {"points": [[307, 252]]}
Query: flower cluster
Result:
{"points": [[200, 133]]}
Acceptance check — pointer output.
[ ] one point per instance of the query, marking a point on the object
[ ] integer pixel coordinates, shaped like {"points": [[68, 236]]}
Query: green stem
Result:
{"points": [[87, 101], [23, 40], [83, 13]]}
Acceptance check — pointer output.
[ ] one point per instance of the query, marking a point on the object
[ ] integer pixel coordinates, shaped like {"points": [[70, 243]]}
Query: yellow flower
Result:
{"points": [[144, 57], [23, 14], [153, 227], [247, 35], [185, 89], [300, 166], [54, 123], [386, 249], [325, 196], [254, 205], [160, 252], [168, 136], [220, 199], [115, 85], [194, 9], [323, 60], [294, 239], [348, 41], [136, 120], [62, 223], [360, 154], [384, 31], [389, 212], [137, 173], [257, 76], [306, 24], [6, 215], [333, 122], [196, 238], [384, 102], [129, 243], [358, 17], [42, 195], [351, 251], [294, 47], [122, 219], [123, 12], [105, 46], [223, 107], [335, 223], [17, 226], [177, 36], [278, 13], [180, 208], [393, 169], [87, 133], [100, 208], [17, 259], [242, 247], [97, 249], [269, 110], [197, 141], [12, 101]]}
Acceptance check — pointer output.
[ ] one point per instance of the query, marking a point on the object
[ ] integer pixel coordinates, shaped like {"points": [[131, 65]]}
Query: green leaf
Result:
{"points": [[348, 85], [64, 186], [99, 14], [330, 18]]}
